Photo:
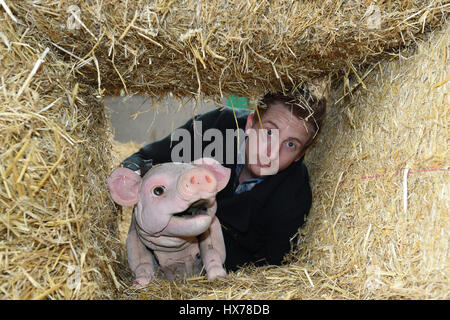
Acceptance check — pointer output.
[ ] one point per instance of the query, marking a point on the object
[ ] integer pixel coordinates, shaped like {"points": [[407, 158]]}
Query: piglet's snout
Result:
{"points": [[197, 181]]}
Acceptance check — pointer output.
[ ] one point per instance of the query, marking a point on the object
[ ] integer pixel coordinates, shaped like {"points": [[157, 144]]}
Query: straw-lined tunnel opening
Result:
{"points": [[379, 223]]}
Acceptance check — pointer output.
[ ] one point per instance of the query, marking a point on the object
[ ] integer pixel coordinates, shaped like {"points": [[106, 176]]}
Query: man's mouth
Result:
{"points": [[199, 207], [264, 165]]}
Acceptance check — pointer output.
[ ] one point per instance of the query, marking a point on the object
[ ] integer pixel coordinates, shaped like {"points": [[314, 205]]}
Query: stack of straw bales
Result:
{"points": [[57, 223], [217, 47], [380, 224], [59, 234], [375, 230]]}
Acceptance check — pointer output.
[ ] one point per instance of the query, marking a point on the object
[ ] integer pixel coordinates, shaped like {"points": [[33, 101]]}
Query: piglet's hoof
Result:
{"points": [[143, 275], [216, 272], [141, 283]]}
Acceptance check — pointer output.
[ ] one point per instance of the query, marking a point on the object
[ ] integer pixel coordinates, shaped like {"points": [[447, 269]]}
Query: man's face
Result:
{"points": [[279, 143]]}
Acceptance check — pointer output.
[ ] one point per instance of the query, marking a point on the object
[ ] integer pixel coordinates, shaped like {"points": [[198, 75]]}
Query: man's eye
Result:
{"points": [[290, 144], [158, 190], [269, 132]]}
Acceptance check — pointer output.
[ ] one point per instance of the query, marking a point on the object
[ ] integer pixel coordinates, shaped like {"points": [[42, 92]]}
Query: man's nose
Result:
{"points": [[273, 148]]}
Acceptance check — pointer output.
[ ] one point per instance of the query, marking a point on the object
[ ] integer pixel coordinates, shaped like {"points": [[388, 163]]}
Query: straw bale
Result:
{"points": [[361, 231], [360, 241], [57, 224], [59, 235], [220, 47]]}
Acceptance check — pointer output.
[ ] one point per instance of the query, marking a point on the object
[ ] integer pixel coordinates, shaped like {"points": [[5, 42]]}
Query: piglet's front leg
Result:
{"points": [[212, 251], [140, 259]]}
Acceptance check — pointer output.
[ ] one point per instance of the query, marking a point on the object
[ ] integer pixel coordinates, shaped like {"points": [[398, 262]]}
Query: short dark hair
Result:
{"points": [[302, 103]]}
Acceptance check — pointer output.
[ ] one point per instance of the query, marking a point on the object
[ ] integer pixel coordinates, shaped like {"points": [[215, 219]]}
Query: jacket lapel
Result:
{"points": [[236, 211]]}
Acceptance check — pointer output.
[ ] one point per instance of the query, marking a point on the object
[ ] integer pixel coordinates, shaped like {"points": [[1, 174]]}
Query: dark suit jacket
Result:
{"points": [[258, 224]]}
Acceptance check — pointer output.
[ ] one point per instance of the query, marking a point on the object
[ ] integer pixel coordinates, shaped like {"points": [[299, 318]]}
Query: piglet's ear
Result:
{"points": [[221, 173], [123, 185]]}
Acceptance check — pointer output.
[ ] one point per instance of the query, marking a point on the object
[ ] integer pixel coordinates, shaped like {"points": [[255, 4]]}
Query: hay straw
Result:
{"points": [[8, 11], [392, 231], [213, 47], [33, 72], [361, 241], [59, 235], [54, 210]]}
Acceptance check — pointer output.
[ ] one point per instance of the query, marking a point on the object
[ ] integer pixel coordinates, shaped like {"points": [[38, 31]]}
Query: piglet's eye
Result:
{"points": [[158, 190]]}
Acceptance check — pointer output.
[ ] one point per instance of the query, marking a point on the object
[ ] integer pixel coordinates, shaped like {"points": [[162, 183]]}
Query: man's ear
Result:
{"points": [[249, 123]]}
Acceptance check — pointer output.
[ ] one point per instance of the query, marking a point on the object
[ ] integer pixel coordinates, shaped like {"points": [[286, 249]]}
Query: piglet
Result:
{"points": [[174, 228]]}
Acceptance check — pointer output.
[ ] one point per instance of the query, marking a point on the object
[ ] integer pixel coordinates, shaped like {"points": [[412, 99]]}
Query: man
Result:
{"points": [[268, 195]]}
